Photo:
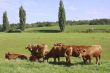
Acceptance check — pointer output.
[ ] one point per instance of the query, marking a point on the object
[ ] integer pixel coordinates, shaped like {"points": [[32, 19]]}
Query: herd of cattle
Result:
{"points": [[41, 51]]}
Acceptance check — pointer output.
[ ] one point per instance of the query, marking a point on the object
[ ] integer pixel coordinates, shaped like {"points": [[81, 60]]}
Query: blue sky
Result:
{"points": [[47, 10]]}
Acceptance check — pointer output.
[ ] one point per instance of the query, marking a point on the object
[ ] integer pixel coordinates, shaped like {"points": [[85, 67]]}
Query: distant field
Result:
{"points": [[73, 28], [16, 42]]}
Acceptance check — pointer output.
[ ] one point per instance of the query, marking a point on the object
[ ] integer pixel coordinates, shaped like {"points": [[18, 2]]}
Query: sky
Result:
{"points": [[47, 10]]}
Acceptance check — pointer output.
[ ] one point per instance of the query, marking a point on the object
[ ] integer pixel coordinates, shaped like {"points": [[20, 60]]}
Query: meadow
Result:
{"points": [[16, 42]]}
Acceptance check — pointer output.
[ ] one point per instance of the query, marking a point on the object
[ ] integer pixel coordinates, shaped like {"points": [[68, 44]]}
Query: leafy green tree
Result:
{"points": [[22, 16], [5, 22], [61, 16]]}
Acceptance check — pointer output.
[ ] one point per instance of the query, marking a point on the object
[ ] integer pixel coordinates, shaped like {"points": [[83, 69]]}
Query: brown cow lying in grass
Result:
{"points": [[88, 52], [10, 56], [38, 50], [62, 51]]}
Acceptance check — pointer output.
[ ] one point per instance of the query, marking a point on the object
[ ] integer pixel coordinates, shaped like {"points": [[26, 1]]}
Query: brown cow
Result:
{"points": [[32, 48], [38, 50], [42, 50], [62, 51], [10, 56], [91, 51]]}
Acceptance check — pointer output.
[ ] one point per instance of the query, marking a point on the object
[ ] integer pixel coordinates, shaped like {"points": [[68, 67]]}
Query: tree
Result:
{"points": [[61, 16], [22, 16], [5, 22]]}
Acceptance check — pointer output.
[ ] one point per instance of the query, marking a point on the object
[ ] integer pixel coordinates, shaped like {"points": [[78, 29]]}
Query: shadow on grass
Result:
{"points": [[68, 65], [47, 31]]}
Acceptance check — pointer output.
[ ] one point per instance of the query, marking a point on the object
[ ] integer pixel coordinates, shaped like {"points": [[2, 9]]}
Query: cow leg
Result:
{"points": [[68, 60], [47, 60], [58, 59], [96, 60], [99, 59], [55, 59], [89, 60], [85, 60]]}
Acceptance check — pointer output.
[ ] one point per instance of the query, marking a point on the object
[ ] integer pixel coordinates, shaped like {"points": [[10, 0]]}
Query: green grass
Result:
{"points": [[19, 66], [16, 42]]}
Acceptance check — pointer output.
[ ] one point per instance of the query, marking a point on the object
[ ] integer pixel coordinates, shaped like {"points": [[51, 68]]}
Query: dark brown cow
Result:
{"points": [[62, 51], [91, 51], [10, 56]]}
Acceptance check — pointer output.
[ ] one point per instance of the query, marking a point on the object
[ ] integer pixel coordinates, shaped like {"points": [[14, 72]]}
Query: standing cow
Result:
{"points": [[91, 51], [62, 51]]}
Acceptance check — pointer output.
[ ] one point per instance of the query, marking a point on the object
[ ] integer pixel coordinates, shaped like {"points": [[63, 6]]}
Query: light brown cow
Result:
{"points": [[91, 51], [87, 52], [10, 56]]}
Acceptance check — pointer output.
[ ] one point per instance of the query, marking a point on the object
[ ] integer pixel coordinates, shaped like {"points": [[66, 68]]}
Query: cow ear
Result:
{"points": [[84, 50]]}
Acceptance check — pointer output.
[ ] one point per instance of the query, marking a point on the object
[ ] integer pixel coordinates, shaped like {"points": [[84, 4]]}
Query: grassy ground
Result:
{"points": [[16, 42], [19, 66]]}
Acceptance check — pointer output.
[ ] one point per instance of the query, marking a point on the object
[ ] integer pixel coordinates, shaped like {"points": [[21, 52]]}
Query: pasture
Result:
{"points": [[16, 42]]}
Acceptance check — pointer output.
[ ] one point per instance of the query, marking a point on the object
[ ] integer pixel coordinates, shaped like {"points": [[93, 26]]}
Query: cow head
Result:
{"points": [[31, 48], [7, 55], [76, 52], [82, 52]]}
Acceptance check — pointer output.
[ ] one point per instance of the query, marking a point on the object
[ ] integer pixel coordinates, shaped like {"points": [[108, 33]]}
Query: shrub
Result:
{"points": [[14, 31]]}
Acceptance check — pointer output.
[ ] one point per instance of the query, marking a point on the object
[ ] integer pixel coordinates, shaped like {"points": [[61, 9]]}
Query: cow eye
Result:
{"points": [[84, 51]]}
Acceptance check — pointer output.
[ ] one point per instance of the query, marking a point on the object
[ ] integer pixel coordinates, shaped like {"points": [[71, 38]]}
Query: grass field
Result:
{"points": [[16, 42]]}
